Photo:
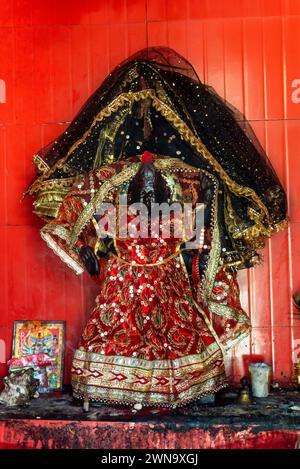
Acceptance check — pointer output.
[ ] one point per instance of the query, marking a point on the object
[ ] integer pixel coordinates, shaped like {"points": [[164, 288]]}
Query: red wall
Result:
{"points": [[55, 53]]}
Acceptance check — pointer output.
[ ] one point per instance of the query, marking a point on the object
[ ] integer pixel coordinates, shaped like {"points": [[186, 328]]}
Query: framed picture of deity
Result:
{"points": [[41, 345]]}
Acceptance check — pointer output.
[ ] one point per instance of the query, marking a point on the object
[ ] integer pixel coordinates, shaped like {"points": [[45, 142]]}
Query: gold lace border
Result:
{"points": [[177, 123], [227, 312], [169, 382], [129, 398], [61, 252], [40, 164]]}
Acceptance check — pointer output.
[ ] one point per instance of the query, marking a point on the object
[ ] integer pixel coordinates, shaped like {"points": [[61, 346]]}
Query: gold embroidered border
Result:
{"points": [[61, 253], [64, 183], [111, 108], [141, 363], [51, 196], [150, 264], [165, 163], [214, 255], [115, 181], [200, 310], [40, 164], [196, 142], [125, 397], [215, 252], [236, 339], [163, 382], [282, 225], [46, 211], [177, 123], [57, 230], [227, 312]]}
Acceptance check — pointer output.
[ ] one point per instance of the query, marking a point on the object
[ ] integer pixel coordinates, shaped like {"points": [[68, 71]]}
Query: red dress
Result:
{"points": [[147, 340]]}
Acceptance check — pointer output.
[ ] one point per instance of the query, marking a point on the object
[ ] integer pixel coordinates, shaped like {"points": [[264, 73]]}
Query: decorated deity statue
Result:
{"points": [[160, 190]]}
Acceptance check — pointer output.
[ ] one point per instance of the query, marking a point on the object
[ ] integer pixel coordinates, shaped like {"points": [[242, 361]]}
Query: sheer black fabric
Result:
{"points": [[155, 101]]}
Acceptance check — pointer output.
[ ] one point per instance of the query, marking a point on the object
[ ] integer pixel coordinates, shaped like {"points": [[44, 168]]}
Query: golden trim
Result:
{"points": [[111, 108], [282, 225], [115, 181], [47, 211], [50, 196], [118, 179], [197, 143], [152, 264], [227, 312], [129, 398], [198, 307], [209, 326], [233, 341], [215, 251], [57, 184], [61, 253], [142, 363], [166, 163], [177, 123], [57, 230], [40, 164], [95, 377], [228, 265]]}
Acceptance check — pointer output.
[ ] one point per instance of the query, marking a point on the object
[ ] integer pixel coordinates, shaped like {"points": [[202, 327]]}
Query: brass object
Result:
{"points": [[297, 375], [244, 397], [245, 394]]}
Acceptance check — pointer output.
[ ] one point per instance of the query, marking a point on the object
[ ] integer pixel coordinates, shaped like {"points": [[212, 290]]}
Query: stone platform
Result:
{"points": [[57, 421]]}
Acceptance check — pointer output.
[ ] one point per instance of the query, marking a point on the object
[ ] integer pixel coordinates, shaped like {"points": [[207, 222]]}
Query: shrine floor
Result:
{"points": [[58, 421]]}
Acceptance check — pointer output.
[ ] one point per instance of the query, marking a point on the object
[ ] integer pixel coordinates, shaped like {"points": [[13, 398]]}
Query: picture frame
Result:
{"points": [[34, 337]]}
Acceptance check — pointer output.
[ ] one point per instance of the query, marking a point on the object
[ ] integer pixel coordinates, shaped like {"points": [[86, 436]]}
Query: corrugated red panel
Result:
{"points": [[54, 54]]}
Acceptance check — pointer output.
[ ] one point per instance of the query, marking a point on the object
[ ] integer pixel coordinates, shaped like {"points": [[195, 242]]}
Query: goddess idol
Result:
{"points": [[168, 306]]}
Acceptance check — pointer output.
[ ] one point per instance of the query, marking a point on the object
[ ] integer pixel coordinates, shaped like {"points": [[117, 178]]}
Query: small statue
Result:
{"points": [[20, 387], [245, 394]]}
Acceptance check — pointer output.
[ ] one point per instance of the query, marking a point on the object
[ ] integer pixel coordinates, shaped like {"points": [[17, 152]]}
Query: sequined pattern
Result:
{"points": [[145, 325]]}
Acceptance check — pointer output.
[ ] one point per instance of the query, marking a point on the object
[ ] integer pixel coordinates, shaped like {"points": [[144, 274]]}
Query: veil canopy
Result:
{"points": [[154, 101]]}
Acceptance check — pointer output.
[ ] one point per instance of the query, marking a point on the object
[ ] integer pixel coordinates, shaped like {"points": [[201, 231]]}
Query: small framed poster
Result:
{"points": [[42, 337]]}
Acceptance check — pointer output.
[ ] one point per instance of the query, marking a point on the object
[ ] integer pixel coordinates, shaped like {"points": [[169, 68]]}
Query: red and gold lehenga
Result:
{"points": [[154, 101], [146, 340], [156, 335]]}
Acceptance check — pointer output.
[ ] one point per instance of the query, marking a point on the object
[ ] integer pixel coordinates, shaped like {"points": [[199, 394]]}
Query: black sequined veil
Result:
{"points": [[155, 101]]}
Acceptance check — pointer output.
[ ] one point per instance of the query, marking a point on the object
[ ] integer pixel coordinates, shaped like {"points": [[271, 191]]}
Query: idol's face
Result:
{"points": [[148, 187], [147, 194]]}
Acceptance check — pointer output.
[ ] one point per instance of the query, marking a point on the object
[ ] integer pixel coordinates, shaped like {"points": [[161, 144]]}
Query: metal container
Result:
{"points": [[260, 379]]}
